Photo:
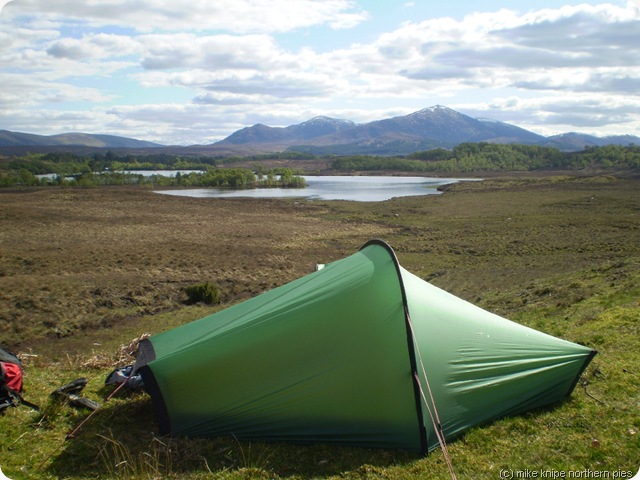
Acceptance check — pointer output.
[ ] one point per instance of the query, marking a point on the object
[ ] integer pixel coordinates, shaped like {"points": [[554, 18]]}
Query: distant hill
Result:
{"points": [[432, 127], [579, 141], [311, 129], [16, 139]]}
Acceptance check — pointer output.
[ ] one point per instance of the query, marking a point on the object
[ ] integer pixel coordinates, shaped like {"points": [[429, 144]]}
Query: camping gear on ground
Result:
{"points": [[361, 353], [11, 382], [124, 374], [70, 393]]}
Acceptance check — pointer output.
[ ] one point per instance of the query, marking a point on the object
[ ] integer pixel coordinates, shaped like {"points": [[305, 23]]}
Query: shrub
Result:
{"points": [[203, 292]]}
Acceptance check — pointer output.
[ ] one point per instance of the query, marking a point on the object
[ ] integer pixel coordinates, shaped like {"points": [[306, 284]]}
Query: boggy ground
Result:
{"points": [[80, 259], [85, 270]]}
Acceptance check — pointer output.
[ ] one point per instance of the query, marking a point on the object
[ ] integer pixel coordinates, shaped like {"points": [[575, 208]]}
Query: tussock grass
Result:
{"points": [[83, 272]]}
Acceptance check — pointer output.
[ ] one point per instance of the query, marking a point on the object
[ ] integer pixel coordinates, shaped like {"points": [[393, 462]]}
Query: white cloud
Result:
{"points": [[578, 36], [213, 52], [95, 46], [553, 114], [532, 69], [14, 86], [281, 85], [239, 16]]}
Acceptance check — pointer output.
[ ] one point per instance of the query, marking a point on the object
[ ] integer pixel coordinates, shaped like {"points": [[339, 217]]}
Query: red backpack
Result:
{"points": [[11, 376], [11, 381]]}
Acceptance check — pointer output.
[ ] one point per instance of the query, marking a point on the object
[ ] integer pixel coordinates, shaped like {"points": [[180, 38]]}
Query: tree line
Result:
{"points": [[478, 157], [65, 169]]}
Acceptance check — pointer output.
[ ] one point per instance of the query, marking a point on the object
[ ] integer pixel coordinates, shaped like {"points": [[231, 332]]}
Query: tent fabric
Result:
{"points": [[333, 358], [482, 366]]}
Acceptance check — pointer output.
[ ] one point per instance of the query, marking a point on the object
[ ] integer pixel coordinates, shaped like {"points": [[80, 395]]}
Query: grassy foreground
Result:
{"points": [[83, 272]]}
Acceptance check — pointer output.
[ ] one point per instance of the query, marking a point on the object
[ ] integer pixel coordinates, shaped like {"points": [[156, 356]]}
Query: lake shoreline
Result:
{"points": [[370, 188]]}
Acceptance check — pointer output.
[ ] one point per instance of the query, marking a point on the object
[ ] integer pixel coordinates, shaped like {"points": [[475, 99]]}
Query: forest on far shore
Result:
{"points": [[493, 157]]}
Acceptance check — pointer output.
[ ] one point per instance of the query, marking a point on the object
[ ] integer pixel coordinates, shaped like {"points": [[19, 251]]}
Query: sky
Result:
{"points": [[193, 72]]}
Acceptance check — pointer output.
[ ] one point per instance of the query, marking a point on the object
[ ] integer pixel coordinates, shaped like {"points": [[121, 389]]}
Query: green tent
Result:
{"points": [[360, 352]]}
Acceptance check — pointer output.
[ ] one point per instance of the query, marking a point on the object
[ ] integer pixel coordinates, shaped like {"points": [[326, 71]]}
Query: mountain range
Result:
{"points": [[17, 139], [432, 127]]}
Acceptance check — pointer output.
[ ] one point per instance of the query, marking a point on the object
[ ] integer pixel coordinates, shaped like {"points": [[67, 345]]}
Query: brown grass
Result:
{"points": [[74, 260]]}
